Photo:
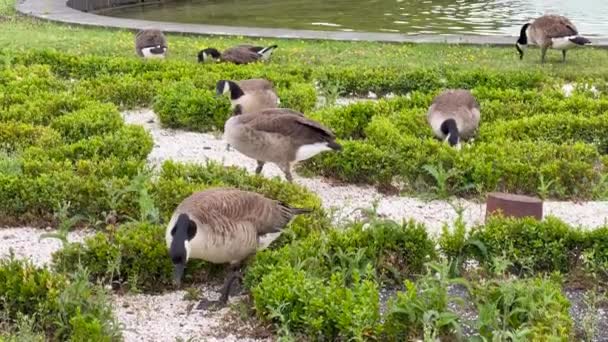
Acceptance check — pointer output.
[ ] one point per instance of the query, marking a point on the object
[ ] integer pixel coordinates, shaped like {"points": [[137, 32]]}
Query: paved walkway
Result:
{"points": [[57, 10]]}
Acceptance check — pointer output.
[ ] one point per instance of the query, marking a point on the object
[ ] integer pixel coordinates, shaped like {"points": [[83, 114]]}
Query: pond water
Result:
{"points": [[481, 17]]}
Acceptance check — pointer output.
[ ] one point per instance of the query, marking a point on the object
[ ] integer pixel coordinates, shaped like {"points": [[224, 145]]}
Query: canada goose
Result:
{"points": [[223, 226], [150, 43], [550, 31], [278, 136], [454, 114], [253, 95], [240, 54]]}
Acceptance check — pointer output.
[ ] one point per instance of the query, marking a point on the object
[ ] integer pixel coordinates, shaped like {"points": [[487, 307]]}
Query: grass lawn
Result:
{"points": [[23, 33]]}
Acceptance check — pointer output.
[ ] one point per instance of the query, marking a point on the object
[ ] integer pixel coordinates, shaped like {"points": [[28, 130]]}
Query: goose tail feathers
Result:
{"points": [[578, 40]]}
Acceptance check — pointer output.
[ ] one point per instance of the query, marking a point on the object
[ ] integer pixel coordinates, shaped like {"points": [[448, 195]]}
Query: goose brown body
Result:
{"points": [[458, 105], [229, 223], [149, 38], [278, 137], [239, 54], [550, 32]]}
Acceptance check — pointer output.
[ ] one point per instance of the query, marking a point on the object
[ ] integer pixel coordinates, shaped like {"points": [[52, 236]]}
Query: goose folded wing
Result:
{"points": [[561, 27], [240, 55], [296, 127]]}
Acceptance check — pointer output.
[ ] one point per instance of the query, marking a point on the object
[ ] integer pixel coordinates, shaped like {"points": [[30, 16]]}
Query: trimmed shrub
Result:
{"points": [[182, 105], [555, 128], [125, 91], [316, 307], [350, 121], [534, 309], [299, 96], [92, 120], [128, 143], [531, 245], [65, 309], [394, 250], [17, 136], [134, 256]]}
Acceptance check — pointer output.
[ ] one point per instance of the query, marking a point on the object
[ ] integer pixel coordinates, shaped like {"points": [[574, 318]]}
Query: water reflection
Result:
{"points": [[483, 17]]}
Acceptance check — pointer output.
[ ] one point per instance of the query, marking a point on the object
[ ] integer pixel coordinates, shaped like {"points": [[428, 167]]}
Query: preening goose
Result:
{"points": [[223, 226], [240, 54], [278, 136], [151, 43], [550, 31], [253, 95], [454, 114]]}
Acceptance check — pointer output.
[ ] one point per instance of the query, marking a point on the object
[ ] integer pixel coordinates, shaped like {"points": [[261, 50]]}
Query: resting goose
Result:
{"points": [[223, 226], [150, 43], [454, 114], [240, 54], [253, 95], [550, 31], [278, 136]]}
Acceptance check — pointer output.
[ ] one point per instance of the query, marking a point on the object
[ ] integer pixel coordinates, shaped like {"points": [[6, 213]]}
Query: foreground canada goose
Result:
{"points": [[454, 114], [223, 226], [150, 43], [253, 95], [240, 54], [278, 136], [550, 31]]}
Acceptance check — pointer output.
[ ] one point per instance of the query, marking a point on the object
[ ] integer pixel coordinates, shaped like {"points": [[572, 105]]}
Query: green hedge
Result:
{"points": [[64, 309], [182, 105], [90, 121]]}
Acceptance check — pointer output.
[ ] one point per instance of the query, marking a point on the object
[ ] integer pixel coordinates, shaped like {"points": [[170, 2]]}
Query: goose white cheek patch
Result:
{"points": [[187, 246]]}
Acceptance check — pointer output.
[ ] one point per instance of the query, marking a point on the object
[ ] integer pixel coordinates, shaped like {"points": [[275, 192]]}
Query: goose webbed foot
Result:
{"points": [[235, 274], [563, 56]]}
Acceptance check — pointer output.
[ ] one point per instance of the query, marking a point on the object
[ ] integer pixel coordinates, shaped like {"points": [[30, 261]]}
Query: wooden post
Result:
{"points": [[511, 205]]}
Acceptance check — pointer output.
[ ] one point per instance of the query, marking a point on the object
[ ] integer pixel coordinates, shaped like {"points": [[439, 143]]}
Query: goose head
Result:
{"points": [[450, 130], [522, 42], [208, 54], [182, 233]]}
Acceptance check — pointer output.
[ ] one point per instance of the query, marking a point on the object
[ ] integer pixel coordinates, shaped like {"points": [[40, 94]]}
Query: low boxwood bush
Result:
{"points": [[328, 282], [533, 309], [17, 136], [531, 245], [319, 308], [182, 105], [299, 96], [65, 309], [92, 120], [127, 143], [556, 128], [350, 121], [134, 256]]}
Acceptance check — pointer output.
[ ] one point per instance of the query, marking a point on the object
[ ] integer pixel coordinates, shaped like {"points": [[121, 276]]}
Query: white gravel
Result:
{"points": [[26, 243], [169, 317], [344, 199]]}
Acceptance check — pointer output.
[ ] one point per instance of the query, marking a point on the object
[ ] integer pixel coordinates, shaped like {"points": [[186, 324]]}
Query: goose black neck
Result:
{"points": [[523, 37], [183, 230], [449, 128], [235, 90]]}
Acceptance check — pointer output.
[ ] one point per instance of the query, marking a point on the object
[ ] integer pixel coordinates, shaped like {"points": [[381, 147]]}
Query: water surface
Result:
{"points": [[481, 17]]}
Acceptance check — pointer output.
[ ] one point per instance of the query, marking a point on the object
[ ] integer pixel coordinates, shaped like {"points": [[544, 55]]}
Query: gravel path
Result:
{"points": [[344, 199]]}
